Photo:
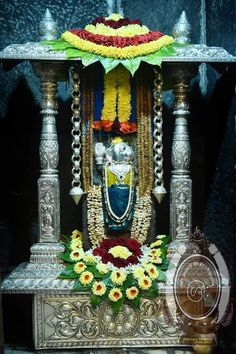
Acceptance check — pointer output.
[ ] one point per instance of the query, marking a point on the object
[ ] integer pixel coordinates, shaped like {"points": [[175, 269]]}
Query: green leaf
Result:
{"points": [[65, 257], [109, 63], [95, 272], [136, 301], [131, 64], [128, 282], [151, 292], [74, 53], [69, 273], [96, 300], [89, 58], [162, 275], [117, 305], [164, 265], [80, 287], [153, 60], [57, 44]]}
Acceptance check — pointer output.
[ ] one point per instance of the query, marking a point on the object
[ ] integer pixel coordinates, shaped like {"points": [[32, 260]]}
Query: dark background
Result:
{"points": [[211, 126]]}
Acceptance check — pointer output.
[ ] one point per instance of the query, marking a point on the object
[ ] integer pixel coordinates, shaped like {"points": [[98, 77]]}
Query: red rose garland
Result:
{"points": [[106, 245]]}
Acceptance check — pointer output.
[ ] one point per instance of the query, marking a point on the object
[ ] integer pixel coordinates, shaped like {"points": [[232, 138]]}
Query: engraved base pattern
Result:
{"points": [[69, 321]]}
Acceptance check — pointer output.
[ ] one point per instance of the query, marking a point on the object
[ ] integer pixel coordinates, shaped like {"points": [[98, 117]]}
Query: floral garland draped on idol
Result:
{"points": [[117, 147]]}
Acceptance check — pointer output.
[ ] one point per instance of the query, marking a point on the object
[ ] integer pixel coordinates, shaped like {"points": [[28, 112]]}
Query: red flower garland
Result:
{"points": [[108, 126], [117, 41], [133, 246], [116, 24]]}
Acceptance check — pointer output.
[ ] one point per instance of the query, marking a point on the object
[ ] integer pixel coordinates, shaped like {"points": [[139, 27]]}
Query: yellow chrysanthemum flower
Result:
{"points": [[124, 31], [138, 272], [76, 234], [79, 267], [161, 236], [77, 254], [120, 251], [144, 283], [115, 294], [86, 277], [118, 277], [132, 292], [152, 271], [156, 243], [76, 243], [156, 252], [102, 268], [90, 258], [156, 260], [98, 288]]}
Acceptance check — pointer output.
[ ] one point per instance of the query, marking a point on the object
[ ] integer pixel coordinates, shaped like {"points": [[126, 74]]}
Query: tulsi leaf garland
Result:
{"points": [[113, 41]]}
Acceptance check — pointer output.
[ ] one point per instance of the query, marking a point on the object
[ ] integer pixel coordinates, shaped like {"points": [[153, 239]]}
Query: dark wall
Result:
{"points": [[212, 125]]}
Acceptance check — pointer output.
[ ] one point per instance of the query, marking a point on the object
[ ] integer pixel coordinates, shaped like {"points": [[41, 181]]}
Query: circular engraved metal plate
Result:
{"points": [[197, 287], [124, 323]]}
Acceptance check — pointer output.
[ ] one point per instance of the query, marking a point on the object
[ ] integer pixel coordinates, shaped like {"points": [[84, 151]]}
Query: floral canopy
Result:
{"points": [[115, 40]]}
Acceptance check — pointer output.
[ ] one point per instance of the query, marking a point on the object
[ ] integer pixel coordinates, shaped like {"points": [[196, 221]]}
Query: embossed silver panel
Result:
{"points": [[69, 321]]}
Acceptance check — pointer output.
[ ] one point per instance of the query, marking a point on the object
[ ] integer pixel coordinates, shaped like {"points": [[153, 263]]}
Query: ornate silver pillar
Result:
{"points": [[181, 183], [46, 250]]}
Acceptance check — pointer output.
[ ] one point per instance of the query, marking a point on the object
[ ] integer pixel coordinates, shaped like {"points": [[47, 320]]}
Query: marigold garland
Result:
{"points": [[130, 51], [116, 102]]}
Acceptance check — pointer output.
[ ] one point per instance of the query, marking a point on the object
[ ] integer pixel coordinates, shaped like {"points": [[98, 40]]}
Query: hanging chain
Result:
{"points": [[76, 130], [159, 190]]}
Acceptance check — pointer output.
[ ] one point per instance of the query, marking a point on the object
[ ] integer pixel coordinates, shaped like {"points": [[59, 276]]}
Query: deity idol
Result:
{"points": [[116, 163]]}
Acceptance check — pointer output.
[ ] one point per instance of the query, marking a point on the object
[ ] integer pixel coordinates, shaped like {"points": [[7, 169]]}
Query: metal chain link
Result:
{"points": [[157, 133], [76, 129]]}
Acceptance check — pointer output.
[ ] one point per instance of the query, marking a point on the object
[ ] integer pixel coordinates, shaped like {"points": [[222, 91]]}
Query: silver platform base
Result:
{"points": [[65, 319]]}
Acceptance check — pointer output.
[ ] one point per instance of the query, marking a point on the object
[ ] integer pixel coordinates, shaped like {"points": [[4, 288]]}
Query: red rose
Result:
{"points": [[133, 244], [107, 125], [97, 125], [128, 127], [107, 243], [99, 252], [132, 260], [120, 241], [119, 262]]}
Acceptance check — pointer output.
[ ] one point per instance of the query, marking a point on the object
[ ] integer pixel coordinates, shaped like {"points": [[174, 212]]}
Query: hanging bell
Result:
{"points": [[76, 193], [159, 193]]}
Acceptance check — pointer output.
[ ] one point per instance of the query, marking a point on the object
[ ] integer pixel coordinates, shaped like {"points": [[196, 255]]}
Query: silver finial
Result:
{"points": [[182, 29], [47, 27]]}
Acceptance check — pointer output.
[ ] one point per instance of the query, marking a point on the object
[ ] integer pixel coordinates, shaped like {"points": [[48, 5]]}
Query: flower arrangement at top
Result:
{"points": [[115, 270], [120, 44]]}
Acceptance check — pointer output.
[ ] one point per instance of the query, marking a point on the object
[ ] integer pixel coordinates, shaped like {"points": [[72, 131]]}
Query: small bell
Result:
{"points": [[76, 193], [159, 193]]}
